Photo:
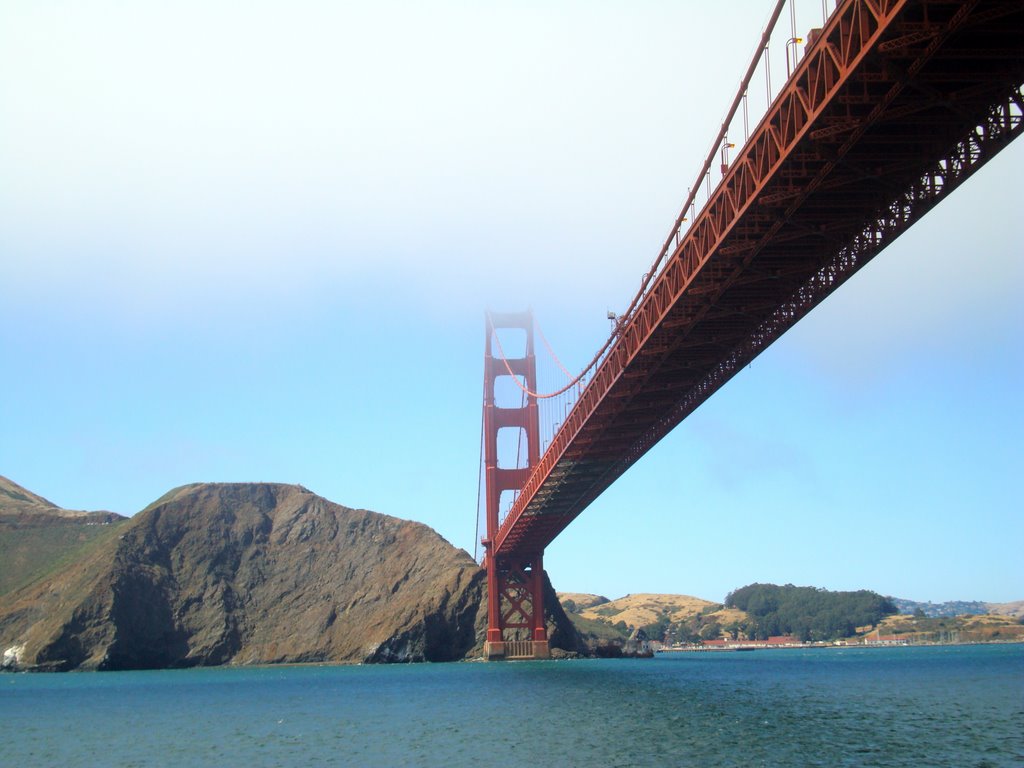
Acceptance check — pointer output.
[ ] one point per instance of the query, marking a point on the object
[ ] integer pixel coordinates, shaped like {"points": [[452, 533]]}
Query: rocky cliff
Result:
{"points": [[254, 574]]}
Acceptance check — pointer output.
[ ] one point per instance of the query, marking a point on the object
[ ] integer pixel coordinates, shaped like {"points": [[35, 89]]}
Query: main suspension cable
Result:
{"points": [[550, 350], [567, 387], [653, 273]]}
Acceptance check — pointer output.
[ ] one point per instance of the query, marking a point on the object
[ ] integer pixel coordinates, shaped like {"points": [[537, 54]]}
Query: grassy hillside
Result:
{"points": [[645, 609], [29, 553], [579, 601], [683, 619], [13, 496], [604, 621], [37, 537], [957, 629], [1014, 609]]}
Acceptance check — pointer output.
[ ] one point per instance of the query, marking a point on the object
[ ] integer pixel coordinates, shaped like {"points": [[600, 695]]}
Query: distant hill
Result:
{"points": [[768, 609], [253, 573], [959, 608], [37, 537], [645, 609], [661, 616], [1014, 609], [934, 610], [963, 628], [753, 612], [20, 506], [13, 497], [579, 601]]}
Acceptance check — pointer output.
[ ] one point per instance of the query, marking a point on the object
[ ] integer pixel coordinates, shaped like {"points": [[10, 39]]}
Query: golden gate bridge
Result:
{"points": [[890, 106]]}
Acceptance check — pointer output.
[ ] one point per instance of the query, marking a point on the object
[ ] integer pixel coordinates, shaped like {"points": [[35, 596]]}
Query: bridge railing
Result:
{"points": [[763, 78], [775, 57]]}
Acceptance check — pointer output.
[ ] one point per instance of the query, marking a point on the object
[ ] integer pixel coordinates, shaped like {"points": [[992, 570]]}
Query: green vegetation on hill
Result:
{"points": [[30, 552], [705, 625], [11, 492], [808, 613], [759, 611], [38, 538], [597, 632], [575, 602]]}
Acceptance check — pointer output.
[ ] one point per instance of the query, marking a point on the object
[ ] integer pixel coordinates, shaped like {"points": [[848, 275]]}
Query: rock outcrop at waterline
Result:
{"points": [[252, 574]]}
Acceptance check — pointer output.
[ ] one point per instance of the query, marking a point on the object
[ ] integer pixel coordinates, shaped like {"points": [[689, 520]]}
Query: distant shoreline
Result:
{"points": [[745, 647]]}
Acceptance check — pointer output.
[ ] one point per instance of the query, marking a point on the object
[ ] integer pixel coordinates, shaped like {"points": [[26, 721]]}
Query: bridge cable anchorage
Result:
{"points": [[567, 387]]}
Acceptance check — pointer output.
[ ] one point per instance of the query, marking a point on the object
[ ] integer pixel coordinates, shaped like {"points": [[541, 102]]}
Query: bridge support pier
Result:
{"points": [[515, 615], [541, 649], [515, 582]]}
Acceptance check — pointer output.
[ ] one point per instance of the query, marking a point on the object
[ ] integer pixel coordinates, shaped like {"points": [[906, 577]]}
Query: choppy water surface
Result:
{"points": [[943, 706]]}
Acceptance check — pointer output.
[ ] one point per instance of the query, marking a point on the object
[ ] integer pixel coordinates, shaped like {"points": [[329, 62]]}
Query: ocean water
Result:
{"points": [[924, 706]]}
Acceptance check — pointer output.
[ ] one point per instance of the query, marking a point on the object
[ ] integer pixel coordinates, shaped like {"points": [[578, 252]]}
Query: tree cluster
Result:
{"points": [[701, 626], [807, 613]]}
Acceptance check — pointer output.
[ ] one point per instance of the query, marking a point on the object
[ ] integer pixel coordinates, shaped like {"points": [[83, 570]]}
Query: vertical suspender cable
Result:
{"points": [[479, 476]]}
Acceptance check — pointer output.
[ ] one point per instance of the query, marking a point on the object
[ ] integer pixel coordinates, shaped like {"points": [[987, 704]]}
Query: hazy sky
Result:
{"points": [[256, 241]]}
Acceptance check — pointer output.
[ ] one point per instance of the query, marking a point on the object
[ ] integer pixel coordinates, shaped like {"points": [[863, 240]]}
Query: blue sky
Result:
{"points": [[257, 242]]}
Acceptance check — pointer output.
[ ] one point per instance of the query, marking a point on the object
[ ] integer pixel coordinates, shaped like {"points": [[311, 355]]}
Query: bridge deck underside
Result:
{"points": [[882, 142]]}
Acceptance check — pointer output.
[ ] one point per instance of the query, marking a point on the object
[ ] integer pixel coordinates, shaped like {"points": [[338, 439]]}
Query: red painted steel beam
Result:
{"points": [[895, 104]]}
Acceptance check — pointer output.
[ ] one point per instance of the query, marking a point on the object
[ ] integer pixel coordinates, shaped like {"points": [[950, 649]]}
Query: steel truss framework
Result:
{"points": [[894, 105]]}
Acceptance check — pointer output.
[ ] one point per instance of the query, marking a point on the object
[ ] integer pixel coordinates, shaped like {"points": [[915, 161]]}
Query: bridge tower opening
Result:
{"points": [[515, 582]]}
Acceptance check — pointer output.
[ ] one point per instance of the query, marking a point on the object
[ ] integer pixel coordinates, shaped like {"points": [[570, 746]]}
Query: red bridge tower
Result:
{"points": [[515, 581]]}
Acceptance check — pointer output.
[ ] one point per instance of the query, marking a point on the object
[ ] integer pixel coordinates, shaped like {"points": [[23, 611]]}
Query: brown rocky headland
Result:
{"points": [[253, 573]]}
